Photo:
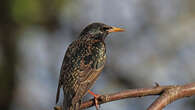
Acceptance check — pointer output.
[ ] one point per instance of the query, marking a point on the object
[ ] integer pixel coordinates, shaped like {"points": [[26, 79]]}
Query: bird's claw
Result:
{"points": [[96, 101], [96, 96]]}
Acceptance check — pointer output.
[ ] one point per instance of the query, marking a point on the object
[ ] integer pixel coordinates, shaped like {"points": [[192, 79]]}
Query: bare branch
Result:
{"points": [[172, 94], [167, 94], [132, 93]]}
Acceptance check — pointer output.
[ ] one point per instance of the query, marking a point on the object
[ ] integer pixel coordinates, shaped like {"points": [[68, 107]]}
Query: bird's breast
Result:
{"points": [[98, 52], [90, 54]]}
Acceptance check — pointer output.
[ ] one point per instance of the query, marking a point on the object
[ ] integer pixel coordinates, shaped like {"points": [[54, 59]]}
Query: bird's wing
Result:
{"points": [[89, 70], [66, 66]]}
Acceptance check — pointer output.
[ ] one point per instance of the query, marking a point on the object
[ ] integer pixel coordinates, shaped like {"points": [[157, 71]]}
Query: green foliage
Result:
{"points": [[35, 11], [26, 11]]}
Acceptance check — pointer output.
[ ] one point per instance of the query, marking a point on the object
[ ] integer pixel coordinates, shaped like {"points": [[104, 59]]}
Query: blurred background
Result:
{"points": [[158, 46]]}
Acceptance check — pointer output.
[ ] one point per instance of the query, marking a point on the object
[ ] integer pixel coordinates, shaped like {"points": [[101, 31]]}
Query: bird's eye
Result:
{"points": [[105, 28]]}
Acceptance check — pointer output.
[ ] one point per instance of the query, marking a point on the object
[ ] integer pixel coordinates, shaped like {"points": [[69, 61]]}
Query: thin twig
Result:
{"points": [[132, 93]]}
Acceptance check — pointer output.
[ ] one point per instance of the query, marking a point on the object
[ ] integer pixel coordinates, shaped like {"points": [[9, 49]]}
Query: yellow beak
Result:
{"points": [[115, 29]]}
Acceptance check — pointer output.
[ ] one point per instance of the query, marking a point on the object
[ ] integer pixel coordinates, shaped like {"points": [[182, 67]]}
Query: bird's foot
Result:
{"points": [[96, 96]]}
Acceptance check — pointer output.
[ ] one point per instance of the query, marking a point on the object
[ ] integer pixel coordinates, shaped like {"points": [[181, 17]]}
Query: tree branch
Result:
{"points": [[167, 94], [171, 95]]}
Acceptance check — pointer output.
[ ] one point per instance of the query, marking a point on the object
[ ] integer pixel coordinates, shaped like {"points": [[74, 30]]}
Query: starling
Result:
{"points": [[82, 64]]}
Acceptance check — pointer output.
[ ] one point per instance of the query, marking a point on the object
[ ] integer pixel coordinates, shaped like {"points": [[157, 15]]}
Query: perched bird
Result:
{"points": [[82, 64]]}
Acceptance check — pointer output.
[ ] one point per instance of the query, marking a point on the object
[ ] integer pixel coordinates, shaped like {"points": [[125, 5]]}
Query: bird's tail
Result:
{"points": [[58, 93]]}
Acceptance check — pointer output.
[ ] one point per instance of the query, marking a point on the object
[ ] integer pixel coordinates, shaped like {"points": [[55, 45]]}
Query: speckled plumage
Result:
{"points": [[82, 64]]}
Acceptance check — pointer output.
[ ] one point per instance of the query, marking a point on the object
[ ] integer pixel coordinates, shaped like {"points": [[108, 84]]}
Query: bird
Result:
{"points": [[82, 64]]}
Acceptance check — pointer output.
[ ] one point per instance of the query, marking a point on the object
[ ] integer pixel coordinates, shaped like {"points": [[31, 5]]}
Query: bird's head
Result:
{"points": [[98, 31]]}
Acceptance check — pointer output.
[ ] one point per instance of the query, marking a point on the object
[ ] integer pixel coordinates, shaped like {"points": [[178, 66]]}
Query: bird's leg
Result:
{"points": [[96, 96]]}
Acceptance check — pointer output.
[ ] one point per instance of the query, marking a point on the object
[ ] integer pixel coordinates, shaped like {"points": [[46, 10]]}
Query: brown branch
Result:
{"points": [[169, 94], [132, 93], [172, 94]]}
